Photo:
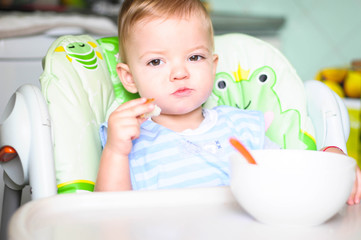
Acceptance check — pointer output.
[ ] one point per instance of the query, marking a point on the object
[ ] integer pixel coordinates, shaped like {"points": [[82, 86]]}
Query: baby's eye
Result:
{"points": [[196, 58], [155, 62]]}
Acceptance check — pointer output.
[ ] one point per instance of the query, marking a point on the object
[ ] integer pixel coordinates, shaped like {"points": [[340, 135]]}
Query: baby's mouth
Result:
{"points": [[182, 92]]}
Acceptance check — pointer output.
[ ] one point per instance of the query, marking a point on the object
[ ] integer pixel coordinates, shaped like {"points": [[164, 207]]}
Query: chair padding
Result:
{"points": [[77, 87], [252, 74]]}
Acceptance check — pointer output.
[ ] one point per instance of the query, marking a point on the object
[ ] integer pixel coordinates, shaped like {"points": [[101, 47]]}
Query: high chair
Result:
{"points": [[49, 138]]}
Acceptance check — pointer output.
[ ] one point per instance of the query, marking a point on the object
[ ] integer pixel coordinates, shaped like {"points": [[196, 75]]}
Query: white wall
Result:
{"points": [[317, 33]]}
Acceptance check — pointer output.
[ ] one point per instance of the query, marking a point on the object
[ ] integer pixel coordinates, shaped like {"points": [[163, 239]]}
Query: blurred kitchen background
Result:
{"points": [[313, 34]]}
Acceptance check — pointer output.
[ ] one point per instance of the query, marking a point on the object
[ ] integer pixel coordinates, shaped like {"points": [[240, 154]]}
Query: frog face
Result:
{"points": [[227, 91], [246, 93], [257, 91], [78, 48], [82, 53]]}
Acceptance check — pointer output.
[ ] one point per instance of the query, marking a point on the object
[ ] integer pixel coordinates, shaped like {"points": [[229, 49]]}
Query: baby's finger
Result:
{"points": [[132, 112], [357, 197], [358, 186], [124, 130], [351, 198], [131, 132], [139, 111], [131, 103], [122, 143]]}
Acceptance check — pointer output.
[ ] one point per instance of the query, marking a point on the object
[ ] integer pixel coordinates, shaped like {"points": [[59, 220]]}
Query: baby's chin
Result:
{"points": [[183, 111]]}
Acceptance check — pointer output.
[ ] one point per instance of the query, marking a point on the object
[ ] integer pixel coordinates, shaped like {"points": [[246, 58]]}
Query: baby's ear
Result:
{"points": [[215, 63], [126, 77]]}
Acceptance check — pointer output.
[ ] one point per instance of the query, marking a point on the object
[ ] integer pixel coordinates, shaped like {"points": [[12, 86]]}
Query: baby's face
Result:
{"points": [[172, 61]]}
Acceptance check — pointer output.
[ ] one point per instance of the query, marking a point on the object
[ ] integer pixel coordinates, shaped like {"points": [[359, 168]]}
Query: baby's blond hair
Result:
{"points": [[133, 11]]}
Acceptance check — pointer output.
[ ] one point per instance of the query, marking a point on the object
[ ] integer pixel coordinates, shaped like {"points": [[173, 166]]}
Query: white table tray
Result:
{"points": [[206, 213]]}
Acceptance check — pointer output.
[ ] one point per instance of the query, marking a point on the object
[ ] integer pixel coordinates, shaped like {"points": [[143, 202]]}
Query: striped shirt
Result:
{"points": [[162, 159]]}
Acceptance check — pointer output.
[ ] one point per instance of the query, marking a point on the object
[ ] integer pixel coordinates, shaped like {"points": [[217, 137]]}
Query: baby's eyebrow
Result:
{"points": [[155, 52], [200, 47]]}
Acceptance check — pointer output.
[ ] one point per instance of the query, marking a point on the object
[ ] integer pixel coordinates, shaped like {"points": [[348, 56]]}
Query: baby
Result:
{"points": [[167, 55]]}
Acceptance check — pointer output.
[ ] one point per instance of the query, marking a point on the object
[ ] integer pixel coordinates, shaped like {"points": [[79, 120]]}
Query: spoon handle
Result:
{"points": [[239, 146]]}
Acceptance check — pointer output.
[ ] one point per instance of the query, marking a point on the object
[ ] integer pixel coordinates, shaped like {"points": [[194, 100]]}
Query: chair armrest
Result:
{"points": [[328, 114], [25, 126]]}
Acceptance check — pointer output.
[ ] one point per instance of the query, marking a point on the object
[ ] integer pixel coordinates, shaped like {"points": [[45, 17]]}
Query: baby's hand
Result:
{"points": [[124, 125], [355, 196]]}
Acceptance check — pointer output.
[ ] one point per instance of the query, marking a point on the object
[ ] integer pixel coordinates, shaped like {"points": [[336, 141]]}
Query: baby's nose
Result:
{"points": [[179, 72]]}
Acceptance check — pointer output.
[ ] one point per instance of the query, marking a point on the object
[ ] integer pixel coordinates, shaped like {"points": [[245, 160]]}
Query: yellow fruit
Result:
{"points": [[352, 84], [334, 74], [318, 76], [335, 87]]}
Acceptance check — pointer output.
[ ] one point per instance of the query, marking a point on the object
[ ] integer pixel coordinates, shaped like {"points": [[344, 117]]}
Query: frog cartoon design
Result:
{"points": [[110, 49], [257, 93], [82, 53]]}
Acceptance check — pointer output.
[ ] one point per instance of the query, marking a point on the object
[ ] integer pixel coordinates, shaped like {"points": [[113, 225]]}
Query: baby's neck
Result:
{"points": [[179, 123]]}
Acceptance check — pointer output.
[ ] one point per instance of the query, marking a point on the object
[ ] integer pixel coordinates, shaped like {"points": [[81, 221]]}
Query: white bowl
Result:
{"points": [[292, 187]]}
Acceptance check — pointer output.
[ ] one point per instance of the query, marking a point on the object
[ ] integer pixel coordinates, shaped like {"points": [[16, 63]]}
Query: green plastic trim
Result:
{"points": [[74, 187]]}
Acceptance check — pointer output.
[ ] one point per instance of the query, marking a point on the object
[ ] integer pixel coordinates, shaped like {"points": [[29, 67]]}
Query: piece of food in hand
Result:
{"points": [[156, 111]]}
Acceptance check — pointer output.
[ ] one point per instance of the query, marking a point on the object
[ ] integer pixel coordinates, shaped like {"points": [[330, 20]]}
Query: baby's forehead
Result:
{"points": [[190, 25], [135, 27], [170, 17]]}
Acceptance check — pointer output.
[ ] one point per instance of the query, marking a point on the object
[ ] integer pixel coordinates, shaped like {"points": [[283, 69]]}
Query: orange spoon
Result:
{"points": [[240, 148]]}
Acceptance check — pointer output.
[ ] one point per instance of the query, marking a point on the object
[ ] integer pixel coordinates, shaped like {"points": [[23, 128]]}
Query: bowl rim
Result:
{"points": [[350, 161]]}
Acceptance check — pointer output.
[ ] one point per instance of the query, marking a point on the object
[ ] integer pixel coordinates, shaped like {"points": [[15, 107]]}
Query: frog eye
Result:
{"points": [[262, 77], [81, 44], [221, 84], [71, 46]]}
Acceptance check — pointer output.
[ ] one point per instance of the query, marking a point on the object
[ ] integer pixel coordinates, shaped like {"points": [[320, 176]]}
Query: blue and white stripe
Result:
{"points": [[162, 158]]}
